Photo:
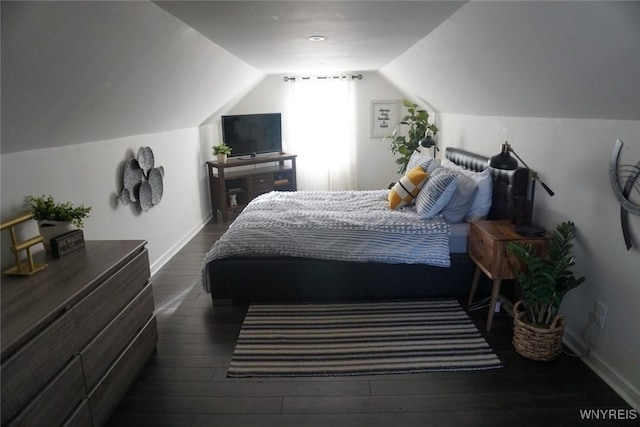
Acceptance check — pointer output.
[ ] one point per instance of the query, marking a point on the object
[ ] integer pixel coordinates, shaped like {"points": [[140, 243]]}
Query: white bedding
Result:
{"points": [[333, 225]]}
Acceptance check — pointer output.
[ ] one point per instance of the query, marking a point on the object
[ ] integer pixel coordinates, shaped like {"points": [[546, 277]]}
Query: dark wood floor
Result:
{"points": [[185, 384]]}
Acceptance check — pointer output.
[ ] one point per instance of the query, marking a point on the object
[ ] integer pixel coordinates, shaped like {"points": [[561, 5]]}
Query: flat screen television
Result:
{"points": [[251, 134]]}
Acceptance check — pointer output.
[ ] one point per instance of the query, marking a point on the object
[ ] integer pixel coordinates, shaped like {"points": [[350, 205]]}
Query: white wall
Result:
{"points": [[84, 77], [376, 165], [572, 157], [90, 174]]}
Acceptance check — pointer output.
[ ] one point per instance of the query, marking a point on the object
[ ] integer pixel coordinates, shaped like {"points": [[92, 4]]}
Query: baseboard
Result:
{"points": [[164, 258], [609, 375]]}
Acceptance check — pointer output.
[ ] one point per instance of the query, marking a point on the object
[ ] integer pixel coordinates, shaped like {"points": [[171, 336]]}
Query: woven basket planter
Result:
{"points": [[535, 342]]}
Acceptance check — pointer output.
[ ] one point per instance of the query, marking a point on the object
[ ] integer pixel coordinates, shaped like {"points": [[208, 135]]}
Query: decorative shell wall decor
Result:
{"points": [[625, 180], [142, 181]]}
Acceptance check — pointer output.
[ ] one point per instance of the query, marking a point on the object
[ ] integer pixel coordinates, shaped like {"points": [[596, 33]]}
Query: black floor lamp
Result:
{"points": [[506, 162]]}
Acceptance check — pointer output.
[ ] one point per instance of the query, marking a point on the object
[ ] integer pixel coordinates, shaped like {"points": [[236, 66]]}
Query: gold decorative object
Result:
{"points": [[24, 267]]}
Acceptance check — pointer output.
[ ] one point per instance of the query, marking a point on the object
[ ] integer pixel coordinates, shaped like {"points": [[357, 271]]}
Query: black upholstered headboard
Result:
{"points": [[507, 184]]}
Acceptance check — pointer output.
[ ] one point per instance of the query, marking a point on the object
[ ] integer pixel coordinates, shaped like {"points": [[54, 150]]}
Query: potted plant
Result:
{"points": [[56, 218], [222, 151], [417, 121], [545, 280]]}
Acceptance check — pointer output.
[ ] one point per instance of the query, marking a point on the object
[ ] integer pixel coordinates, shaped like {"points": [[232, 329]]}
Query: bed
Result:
{"points": [[278, 276]]}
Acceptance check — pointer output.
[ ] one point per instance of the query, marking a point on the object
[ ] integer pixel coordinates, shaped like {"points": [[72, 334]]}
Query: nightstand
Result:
{"points": [[488, 242]]}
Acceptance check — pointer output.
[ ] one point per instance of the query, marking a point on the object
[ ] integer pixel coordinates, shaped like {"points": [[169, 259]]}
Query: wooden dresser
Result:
{"points": [[75, 335]]}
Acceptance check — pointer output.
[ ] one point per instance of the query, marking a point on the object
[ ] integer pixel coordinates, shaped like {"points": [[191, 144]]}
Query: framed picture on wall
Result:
{"points": [[385, 115]]}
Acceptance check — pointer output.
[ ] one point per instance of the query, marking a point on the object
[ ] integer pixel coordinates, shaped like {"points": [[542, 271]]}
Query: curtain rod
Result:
{"points": [[331, 77]]}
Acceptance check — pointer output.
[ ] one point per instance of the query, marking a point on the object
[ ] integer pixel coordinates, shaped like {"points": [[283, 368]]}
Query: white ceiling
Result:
{"points": [[272, 36]]}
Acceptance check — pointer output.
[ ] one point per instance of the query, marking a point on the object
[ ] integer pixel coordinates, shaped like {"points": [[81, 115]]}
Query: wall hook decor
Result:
{"points": [[624, 180], [142, 181]]}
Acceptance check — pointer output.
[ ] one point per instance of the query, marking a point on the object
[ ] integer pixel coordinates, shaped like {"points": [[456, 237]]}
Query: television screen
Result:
{"points": [[250, 134]]}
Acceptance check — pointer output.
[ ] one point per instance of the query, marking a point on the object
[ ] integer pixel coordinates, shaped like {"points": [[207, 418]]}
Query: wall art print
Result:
{"points": [[142, 181], [624, 181], [385, 115]]}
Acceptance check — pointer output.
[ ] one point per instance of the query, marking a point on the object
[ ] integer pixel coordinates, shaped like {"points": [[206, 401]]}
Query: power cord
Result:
{"points": [[585, 337], [480, 304]]}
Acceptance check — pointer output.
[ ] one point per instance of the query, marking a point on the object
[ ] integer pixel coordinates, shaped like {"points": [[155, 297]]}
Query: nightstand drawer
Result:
{"points": [[482, 250]]}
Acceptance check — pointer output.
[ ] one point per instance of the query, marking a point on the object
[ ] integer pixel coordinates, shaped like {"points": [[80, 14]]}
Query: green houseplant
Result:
{"points": [[221, 151], [417, 125], [545, 280], [55, 218], [46, 208]]}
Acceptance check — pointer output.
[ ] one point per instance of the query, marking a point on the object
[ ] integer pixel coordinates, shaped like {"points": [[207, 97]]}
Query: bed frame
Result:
{"points": [[241, 279]]}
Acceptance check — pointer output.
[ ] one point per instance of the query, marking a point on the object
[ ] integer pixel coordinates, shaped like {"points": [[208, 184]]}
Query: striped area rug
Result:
{"points": [[298, 340]]}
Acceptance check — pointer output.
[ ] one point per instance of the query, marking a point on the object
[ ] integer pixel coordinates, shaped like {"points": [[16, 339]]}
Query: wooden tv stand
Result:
{"points": [[247, 178]]}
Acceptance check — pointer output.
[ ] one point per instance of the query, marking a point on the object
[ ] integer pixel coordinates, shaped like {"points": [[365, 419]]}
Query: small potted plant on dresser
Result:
{"points": [[221, 151], [54, 218], [545, 280]]}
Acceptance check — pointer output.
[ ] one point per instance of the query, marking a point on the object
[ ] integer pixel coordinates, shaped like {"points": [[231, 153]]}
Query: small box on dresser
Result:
{"points": [[75, 335]]}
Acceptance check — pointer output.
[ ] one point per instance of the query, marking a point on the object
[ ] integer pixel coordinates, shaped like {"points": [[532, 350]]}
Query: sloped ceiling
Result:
{"points": [[529, 59], [75, 72]]}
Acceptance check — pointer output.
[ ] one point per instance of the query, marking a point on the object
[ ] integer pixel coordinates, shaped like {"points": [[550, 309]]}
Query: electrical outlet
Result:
{"points": [[600, 314]]}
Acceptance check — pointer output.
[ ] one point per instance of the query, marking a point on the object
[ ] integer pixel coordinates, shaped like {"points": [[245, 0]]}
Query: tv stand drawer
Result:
{"points": [[262, 183]]}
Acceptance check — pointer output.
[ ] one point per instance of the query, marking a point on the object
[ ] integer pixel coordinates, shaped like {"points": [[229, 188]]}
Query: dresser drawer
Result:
{"points": [[106, 395], [56, 401], [104, 303], [81, 417], [105, 348], [261, 183], [31, 367]]}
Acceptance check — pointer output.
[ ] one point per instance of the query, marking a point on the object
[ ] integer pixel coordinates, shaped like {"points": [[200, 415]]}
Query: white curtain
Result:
{"points": [[321, 124]]}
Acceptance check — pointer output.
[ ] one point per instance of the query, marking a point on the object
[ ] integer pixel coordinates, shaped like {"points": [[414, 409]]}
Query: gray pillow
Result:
{"points": [[436, 193], [483, 198], [428, 163], [461, 201]]}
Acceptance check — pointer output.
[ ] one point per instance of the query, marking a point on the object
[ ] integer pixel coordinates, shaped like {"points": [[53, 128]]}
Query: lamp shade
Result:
{"points": [[427, 141], [504, 159]]}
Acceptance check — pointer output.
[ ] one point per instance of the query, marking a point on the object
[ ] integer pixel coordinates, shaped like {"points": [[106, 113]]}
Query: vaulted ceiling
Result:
{"points": [[76, 72], [273, 35]]}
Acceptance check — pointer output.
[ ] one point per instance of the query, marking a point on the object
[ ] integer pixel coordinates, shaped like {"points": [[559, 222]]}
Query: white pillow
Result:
{"points": [[428, 163], [461, 201], [483, 198], [436, 193]]}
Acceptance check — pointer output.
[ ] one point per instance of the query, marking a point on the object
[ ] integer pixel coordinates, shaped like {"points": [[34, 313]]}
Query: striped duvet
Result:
{"points": [[333, 225]]}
